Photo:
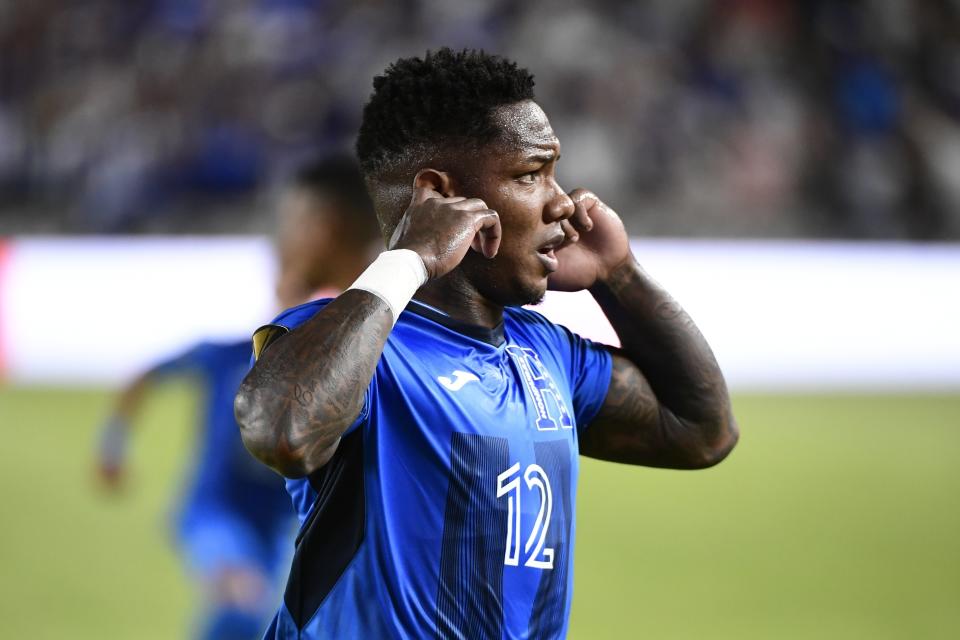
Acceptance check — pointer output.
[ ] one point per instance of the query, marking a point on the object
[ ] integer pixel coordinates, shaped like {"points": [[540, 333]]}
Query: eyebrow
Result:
{"points": [[541, 156]]}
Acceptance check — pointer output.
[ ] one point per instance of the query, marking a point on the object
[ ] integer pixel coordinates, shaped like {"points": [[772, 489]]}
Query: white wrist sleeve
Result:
{"points": [[394, 277]]}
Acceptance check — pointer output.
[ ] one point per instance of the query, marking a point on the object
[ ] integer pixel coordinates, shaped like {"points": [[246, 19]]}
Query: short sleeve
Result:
{"points": [[590, 371], [286, 322], [296, 316], [283, 324]]}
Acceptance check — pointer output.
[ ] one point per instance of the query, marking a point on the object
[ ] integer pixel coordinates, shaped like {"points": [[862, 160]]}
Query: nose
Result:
{"points": [[560, 207]]}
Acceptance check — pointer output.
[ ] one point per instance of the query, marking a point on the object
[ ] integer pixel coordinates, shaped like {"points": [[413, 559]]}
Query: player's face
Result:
{"points": [[303, 245], [515, 177]]}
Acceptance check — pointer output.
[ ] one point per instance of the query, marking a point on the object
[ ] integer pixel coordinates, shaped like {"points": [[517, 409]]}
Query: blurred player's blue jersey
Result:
{"points": [[234, 510], [448, 508]]}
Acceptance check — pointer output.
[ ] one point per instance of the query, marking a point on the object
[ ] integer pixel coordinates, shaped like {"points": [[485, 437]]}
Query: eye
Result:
{"points": [[528, 178]]}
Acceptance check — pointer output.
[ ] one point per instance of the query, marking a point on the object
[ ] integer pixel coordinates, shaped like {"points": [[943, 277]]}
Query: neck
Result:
{"points": [[457, 297], [347, 266]]}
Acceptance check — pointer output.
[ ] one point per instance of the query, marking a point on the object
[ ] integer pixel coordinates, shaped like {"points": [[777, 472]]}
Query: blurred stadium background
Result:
{"points": [[791, 170]]}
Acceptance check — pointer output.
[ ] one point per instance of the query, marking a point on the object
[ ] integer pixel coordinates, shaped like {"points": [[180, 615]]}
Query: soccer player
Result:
{"points": [[328, 231], [235, 525], [431, 426]]}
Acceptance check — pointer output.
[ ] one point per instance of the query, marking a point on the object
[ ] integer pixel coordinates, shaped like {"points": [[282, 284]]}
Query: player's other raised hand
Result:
{"points": [[596, 244], [112, 453], [441, 230]]}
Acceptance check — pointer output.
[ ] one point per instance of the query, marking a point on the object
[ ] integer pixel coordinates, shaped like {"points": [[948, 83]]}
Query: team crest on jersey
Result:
{"points": [[552, 413]]}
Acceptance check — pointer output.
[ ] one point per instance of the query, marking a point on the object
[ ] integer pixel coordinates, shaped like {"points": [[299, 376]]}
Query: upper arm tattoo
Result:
{"points": [[634, 427], [629, 397], [308, 388], [630, 413], [668, 404]]}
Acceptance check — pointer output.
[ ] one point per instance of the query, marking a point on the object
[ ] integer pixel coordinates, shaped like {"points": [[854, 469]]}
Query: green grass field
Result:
{"points": [[836, 517]]}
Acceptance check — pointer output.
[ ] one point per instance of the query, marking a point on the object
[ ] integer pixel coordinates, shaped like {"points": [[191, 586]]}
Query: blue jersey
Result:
{"points": [[225, 477], [448, 508]]}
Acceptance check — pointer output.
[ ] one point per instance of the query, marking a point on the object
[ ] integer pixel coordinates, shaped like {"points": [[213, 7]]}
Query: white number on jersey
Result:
{"points": [[508, 484]]}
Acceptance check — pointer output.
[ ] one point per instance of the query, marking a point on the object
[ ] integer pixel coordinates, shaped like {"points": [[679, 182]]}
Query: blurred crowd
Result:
{"points": [[731, 118]]}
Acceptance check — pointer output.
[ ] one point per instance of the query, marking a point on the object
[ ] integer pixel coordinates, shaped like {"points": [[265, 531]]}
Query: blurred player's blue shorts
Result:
{"points": [[213, 538]]}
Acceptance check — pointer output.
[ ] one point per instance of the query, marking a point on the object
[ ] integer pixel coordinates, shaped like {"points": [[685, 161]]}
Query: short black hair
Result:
{"points": [[445, 97], [338, 177]]}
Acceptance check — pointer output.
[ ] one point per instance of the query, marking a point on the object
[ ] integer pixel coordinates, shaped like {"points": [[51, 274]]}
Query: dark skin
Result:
{"points": [[316, 246], [516, 234]]}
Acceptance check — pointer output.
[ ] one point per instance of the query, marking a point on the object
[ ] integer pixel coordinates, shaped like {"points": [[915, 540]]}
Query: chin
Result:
{"points": [[515, 294], [531, 293], [507, 284]]}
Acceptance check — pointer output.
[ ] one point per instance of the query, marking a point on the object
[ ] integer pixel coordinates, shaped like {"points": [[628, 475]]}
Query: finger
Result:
{"points": [[581, 219], [571, 234], [489, 233], [422, 194], [585, 197], [471, 204]]}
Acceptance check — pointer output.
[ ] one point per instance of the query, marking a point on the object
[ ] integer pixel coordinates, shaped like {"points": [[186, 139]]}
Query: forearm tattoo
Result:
{"points": [[667, 397], [308, 387]]}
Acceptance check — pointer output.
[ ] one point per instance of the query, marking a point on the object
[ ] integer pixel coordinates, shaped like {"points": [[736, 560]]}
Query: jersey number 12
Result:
{"points": [[508, 484]]}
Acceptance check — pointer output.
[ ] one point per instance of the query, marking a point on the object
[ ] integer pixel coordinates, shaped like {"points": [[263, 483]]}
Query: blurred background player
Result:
{"points": [[234, 524], [328, 232]]}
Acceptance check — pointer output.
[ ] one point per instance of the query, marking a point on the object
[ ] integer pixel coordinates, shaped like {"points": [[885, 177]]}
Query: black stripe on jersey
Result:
{"points": [[332, 534], [549, 606], [470, 592]]}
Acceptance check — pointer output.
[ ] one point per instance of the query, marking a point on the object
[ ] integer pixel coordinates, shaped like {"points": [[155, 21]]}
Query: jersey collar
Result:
{"points": [[494, 336]]}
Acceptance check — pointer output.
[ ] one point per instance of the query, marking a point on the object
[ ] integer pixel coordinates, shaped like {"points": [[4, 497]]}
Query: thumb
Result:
{"points": [[422, 194]]}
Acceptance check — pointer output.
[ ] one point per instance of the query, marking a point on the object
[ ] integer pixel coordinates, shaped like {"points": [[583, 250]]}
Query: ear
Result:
{"points": [[435, 180]]}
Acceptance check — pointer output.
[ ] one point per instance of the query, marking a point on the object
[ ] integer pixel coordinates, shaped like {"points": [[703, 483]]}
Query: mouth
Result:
{"points": [[547, 251]]}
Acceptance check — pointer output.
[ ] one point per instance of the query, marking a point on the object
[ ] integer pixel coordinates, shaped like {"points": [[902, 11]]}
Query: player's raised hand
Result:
{"points": [[596, 244], [442, 230]]}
